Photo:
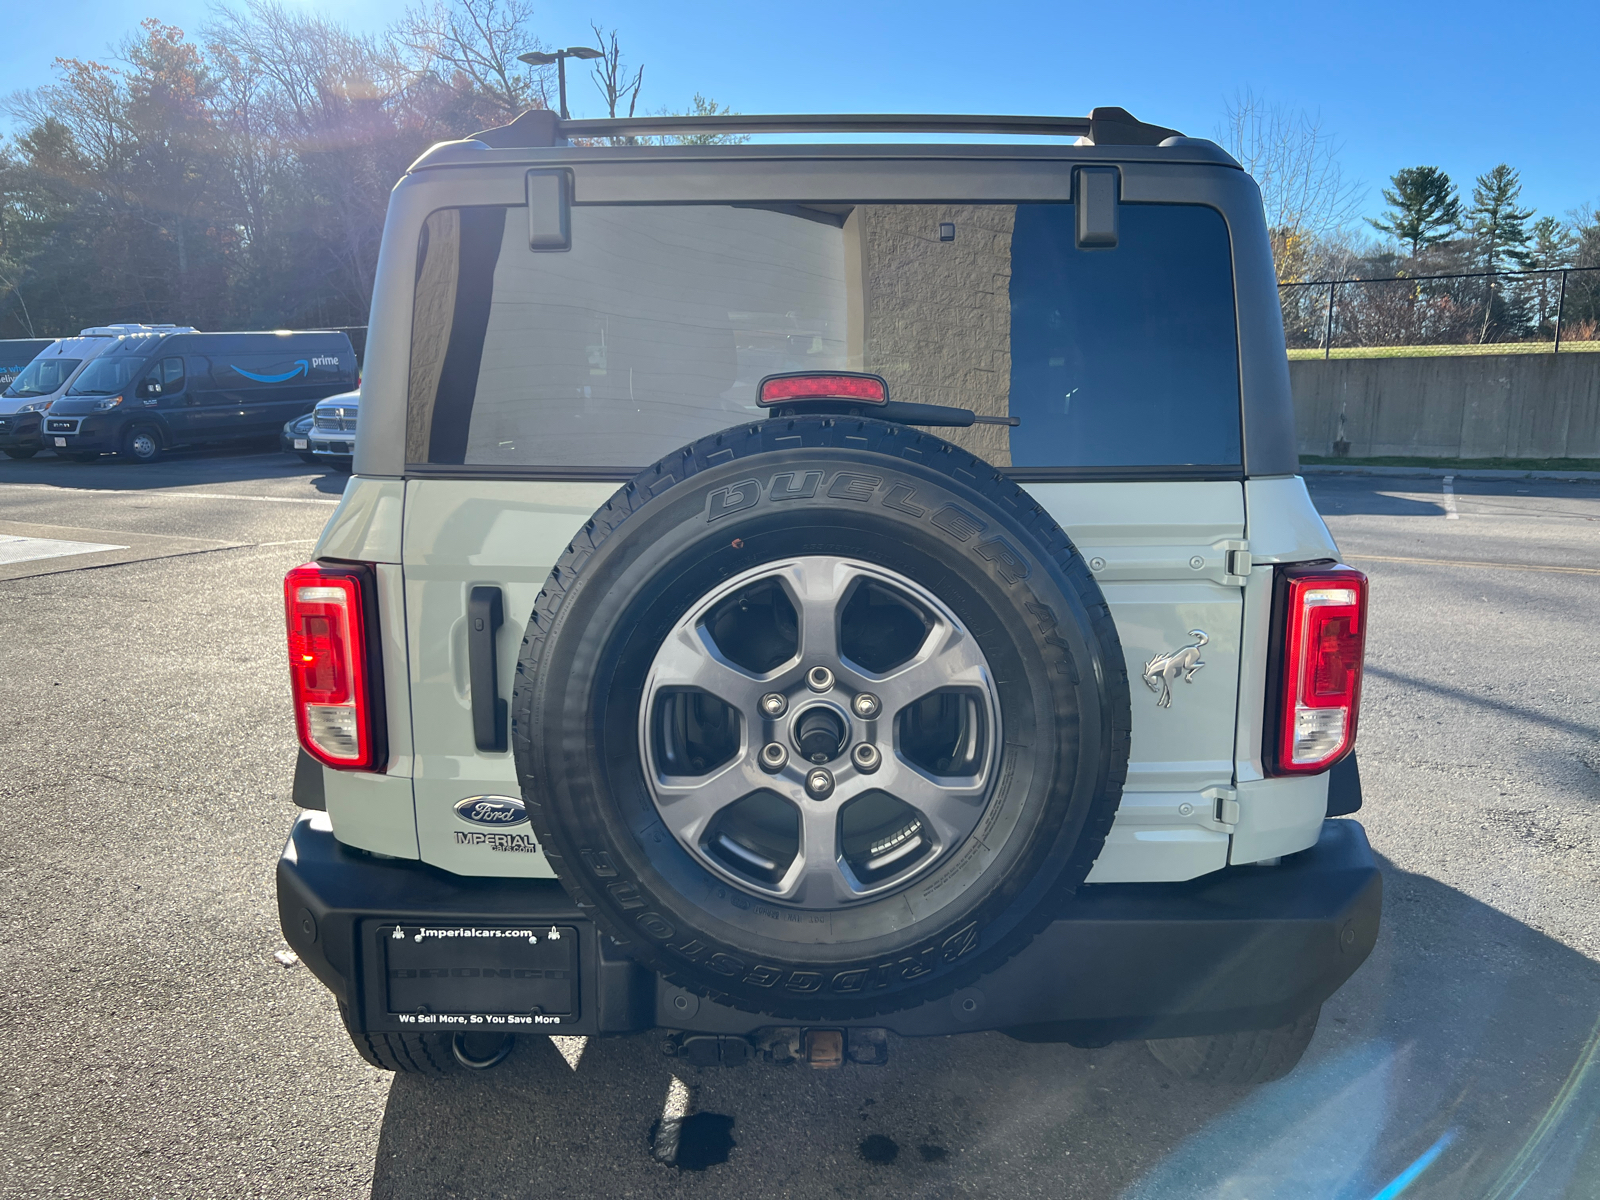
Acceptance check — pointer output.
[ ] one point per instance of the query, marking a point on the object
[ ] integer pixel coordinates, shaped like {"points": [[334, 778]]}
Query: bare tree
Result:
{"points": [[478, 40], [90, 102], [611, 76], [1296, 164]]}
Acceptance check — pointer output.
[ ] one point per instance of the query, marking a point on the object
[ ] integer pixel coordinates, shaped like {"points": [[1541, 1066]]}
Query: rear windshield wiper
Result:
{"points": [[935, 414], [943, 415], [858, 394]]}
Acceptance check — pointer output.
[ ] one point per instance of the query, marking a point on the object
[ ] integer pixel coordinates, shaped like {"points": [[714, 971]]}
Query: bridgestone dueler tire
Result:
{"points": [[862, 490], [1238, 1059]]}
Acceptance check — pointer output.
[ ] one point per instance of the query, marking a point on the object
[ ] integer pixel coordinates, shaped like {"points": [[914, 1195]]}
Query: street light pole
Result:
{"points": [[559, 57]]}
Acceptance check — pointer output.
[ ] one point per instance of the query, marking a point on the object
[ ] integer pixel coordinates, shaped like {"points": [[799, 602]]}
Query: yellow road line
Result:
{"points": [[1456, 562]]}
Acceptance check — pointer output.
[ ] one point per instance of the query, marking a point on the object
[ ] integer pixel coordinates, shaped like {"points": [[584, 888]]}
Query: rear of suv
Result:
{"points": [[790, 595]]}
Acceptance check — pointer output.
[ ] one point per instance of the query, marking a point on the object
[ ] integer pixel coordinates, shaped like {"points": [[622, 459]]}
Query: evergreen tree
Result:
{"points": [[1553, 244], [1423, 208], [1498, 225], [1500, 233]]}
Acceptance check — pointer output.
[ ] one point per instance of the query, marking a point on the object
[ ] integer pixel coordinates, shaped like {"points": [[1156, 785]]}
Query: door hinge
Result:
{"points": [[1236, 563], [1224, 804]]}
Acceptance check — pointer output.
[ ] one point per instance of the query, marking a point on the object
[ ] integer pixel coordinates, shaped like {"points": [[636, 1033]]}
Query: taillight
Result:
{"points": [[332, 671], [1321, 633]]}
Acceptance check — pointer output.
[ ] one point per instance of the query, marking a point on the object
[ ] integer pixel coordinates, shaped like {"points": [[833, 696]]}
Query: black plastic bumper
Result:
{"points": [[1244, 948], [21, 431]]}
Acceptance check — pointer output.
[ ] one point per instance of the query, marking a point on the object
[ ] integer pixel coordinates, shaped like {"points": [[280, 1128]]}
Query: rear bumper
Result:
{"points": [[1244, 948]]}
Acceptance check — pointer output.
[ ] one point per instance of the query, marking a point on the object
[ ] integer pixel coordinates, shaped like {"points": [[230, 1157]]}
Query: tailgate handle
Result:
{"points": [[485, 614]]}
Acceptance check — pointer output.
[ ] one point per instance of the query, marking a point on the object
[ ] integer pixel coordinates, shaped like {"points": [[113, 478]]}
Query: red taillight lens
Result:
{"points": [[835, 385], [330, 668], [1322, 633]]}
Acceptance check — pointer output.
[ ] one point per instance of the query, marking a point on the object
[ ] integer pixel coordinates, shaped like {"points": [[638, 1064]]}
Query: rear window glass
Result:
{"points": [[656, 326]]}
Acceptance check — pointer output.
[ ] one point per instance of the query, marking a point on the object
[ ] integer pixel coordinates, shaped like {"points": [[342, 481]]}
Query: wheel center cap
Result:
{"points": [[820, 734]]}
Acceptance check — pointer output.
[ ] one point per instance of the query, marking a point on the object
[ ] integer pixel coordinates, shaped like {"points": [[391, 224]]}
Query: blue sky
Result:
{"points": [[1460, 86]]}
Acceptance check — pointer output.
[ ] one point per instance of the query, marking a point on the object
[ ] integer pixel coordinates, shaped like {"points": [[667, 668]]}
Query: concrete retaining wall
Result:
{"points": [[1467, 406]]}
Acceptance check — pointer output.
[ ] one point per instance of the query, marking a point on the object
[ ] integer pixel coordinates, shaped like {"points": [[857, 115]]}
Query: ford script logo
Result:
{"points": [[498, 811]]}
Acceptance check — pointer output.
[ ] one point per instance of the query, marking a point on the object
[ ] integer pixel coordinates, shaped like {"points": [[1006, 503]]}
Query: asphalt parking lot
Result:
{"points": [[155, 1047]]}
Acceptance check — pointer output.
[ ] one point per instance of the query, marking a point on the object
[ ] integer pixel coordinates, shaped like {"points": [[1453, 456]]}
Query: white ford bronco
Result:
{"points": [[791, 594]]}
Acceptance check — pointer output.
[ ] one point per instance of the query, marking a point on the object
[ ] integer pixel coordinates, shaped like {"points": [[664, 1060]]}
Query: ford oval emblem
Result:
{"points": [[494, 811]]}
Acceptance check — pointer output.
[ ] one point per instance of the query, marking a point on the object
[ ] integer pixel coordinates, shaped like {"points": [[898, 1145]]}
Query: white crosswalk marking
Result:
{"points": [[25, 549]]}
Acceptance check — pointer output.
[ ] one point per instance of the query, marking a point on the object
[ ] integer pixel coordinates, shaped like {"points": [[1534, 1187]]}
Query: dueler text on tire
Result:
{"points": [[823, 717]]}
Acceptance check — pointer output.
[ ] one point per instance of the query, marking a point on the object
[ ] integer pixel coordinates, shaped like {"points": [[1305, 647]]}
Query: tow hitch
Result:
{"points": [[821, 1049]]}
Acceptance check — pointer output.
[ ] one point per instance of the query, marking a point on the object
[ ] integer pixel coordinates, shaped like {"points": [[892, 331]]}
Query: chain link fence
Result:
{"points": [[1500, 312]]}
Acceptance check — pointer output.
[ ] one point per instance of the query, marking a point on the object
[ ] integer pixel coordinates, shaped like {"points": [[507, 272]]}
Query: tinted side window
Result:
{"points": [[1128, 356]]}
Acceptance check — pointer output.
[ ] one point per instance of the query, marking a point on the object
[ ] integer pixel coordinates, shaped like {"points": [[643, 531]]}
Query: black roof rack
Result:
{"points": [[1103, 126]]}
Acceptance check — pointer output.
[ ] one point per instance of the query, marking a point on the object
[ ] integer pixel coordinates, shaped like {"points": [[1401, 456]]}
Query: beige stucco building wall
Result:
{"points": [[934, 318]]}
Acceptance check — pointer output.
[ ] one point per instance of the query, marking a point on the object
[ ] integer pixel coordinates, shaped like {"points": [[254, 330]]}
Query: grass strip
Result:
{"points": [[1468, 351]]}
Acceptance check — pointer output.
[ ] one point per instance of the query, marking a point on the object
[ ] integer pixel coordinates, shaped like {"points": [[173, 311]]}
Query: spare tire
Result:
{"points": [[821, 717]]}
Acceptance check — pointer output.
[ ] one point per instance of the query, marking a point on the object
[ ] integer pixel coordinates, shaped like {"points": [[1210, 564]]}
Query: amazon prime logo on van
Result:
{"points": [[301, 367], [494, 811]]}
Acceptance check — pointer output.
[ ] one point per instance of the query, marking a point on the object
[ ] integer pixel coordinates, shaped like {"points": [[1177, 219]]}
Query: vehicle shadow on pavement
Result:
{"points": [[1463, 1051], [247, 464], [1527, 713], [1403, 495], [1350, 497]]}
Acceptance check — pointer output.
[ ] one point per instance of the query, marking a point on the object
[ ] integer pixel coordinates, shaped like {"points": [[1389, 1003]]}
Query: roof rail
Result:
{"points": [[1102, 127]]}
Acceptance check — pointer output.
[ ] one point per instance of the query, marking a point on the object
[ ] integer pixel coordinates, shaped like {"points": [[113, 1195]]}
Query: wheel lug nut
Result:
{"points": [[867, 705], [819, 679], [773, 756], [866, 757], [773, 704], [819, 783]]}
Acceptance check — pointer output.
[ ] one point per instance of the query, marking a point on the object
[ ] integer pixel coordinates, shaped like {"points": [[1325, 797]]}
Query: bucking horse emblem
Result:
{"points": [[1163, 669]]}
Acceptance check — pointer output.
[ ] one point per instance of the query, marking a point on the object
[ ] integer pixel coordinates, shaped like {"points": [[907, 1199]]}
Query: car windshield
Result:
{"points": [[658, 323], [106, 375], [42, 376]]}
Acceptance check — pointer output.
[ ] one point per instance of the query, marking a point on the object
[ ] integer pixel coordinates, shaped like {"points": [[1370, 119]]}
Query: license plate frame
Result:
{"points": [[460, 976]]}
